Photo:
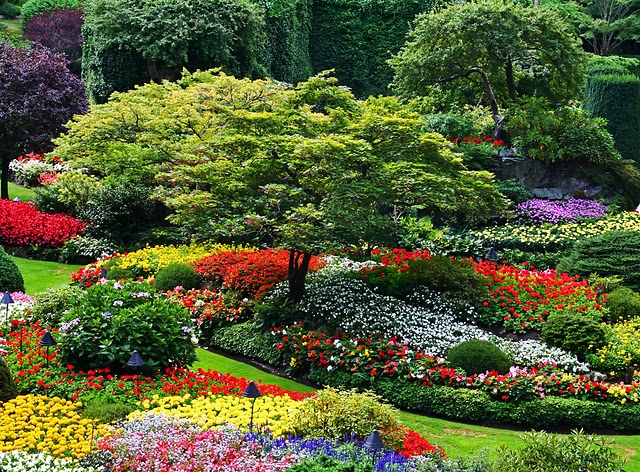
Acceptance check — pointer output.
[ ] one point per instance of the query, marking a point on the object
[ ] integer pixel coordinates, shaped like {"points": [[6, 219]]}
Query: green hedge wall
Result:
{"points": [[617, 98], [356, 37]]}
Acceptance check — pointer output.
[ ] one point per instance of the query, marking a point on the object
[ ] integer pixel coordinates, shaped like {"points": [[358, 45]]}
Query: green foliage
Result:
{"points": [[522, 49], [108, 322], [34, 8], [86, 249], [623, 303], [50, 305], [248, 339], [544, 452], [8, 388], [573, 331], [68, 194], [621, 354], [367, 32], [168, 35], [566, 134], [615, 253], [450, 125], [175, 275], [10, 277], [118, 273], [477, 357], [334, 414], [160, 236], [321, 463], [514, 191], [617, 99], [418, 233], [540, 260], [9, 10], [106, 413]]}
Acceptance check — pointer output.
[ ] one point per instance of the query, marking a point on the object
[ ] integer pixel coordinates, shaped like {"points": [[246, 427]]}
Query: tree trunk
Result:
{"points": [[498, 132], [511, 84], [298, 268]]}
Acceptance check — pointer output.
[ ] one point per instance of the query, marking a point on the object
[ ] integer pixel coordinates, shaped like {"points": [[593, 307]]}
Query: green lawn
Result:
{"points": [[12, 24], [40, 275], [22, 193], [457, 439]]}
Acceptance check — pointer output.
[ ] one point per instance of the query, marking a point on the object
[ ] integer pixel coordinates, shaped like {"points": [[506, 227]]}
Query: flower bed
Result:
{"points": [[538, 211]]}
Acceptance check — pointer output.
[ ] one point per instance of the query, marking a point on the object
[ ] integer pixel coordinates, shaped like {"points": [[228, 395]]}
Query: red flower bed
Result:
{"points": [[21, 224], [252, 274]]}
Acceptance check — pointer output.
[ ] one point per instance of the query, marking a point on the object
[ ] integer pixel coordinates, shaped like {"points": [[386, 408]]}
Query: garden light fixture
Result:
{"points": [[47, 340], [7, 300], [492, 255], [251, 392], [374, 443], [135, 360]]}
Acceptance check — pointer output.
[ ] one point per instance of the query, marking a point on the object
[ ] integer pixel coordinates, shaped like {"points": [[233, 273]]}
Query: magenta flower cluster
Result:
{"points": [[560, 211]]}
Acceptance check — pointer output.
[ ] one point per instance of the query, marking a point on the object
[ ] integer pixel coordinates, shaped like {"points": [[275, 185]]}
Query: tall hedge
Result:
{"points": [[356, 37], [616, 97]]}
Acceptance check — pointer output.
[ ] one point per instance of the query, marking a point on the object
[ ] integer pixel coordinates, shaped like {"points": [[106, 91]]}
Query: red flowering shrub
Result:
{"points": [[415, 445], [21, 224], [86, 276]]}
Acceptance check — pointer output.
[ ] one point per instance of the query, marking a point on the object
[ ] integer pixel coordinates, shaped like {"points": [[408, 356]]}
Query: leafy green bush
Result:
{"points": [[175, 275], [118, 273], [544, 452], [68, 194], [85, 249], [9, 10], [573, 331], [33, 8], [477, 357], [8, 388], [321, 463], [623, 303], [615, 253], [160, 236], [107, 322], [334, 414], [539, 260], [10, 277], [50, 305], [562, 134], [450, 125], [248, 339], [514, 191], [106, 413]]}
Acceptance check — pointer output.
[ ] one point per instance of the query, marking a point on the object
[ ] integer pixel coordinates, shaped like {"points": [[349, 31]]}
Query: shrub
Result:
{"points": [[106, 413], [10, 277], [621, 353], [450, 125], [118, 273], [544, 452], [612, 253], [50, 305], [85, 249], [623, 303], [477, 357], [334, 414], [8, 388], [108, 321], [33, 8], [574, 332], [175, 275], [247, 339], [513, 190], [9, 10], [68, 194]]}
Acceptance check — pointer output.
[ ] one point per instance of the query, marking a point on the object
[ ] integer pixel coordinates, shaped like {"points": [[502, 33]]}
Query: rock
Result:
{"points": [[548, 193]]}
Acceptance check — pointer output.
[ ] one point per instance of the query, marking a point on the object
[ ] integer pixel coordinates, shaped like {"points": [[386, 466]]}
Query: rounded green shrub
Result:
{"points": [[623, 303], [8, 388], [10, 277], [107, 322], [573, 331], [175, 275], [118, 273], [477, 357], [9, 10], [50, 305]]}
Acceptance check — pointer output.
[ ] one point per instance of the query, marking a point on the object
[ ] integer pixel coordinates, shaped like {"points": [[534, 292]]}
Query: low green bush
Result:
{"points": [[514, 191], [321, 463], [247, 339], [573, 331], [477, 357], [623, 304], [9, 10], [8, 388], [118, 273], [10, 277], [50, 305], [450, 125], [106, 412], [175, 275], [33, 8]]}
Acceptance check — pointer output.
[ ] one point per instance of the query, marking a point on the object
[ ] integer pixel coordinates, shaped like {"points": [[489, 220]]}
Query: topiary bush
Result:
{"points": [[615, 253], [8, 388], [175, 275], [573, 331], [477, 357], [10, 277], [623, 304], [108, 321]]}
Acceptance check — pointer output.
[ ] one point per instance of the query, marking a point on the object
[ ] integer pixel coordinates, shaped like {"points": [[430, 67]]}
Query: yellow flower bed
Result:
{"points": [[529, 236], [208, 412], [622, 350], [147, 261], [36, 423]]}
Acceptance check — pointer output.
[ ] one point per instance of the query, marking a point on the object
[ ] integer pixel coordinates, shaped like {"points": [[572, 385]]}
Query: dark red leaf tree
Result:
{"points": [[38, 96]]}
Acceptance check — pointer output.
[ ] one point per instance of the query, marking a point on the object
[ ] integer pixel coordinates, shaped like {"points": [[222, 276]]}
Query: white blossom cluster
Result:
{"points": [[22, 461]]}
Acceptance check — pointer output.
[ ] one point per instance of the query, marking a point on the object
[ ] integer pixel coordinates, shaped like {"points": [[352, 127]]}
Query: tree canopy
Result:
{"points": [[491, 52], [38, 95], [309, 169]]}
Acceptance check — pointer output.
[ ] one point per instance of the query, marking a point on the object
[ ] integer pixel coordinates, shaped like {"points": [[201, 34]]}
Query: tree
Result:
{"points": [[38, 95], [308, 169], [490, 52]]}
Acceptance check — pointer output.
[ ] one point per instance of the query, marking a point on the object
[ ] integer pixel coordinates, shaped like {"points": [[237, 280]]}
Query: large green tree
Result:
{"points": [[309, 169], [490, 52]]}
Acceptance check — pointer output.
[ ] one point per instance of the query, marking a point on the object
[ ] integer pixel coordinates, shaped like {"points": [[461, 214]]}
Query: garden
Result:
{"points": [[228, 245]]}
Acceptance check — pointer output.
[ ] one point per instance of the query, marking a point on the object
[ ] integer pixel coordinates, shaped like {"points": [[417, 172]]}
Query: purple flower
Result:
{"points": [[561, 211]]}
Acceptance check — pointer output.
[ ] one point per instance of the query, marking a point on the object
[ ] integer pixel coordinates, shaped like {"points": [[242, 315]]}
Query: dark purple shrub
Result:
{"points": [[59, 31], [560, 211]]}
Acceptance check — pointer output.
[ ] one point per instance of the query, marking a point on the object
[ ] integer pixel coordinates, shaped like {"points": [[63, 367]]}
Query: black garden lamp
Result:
{"points": [[47, 340], [492, 255], [251, 392], [7, 300], [103, 273], [374, 443], [135, 360]]}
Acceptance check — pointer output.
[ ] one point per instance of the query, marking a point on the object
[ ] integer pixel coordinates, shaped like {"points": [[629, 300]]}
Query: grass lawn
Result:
{"points": [[12, 24], [22, 193], [41, 275], [457, 439]]}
